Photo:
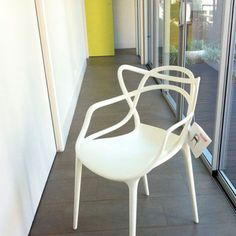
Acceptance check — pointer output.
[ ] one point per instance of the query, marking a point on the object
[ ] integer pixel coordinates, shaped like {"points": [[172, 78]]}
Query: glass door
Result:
{"points": [[188, 33], [227, 165], [204, 27], [168, 31], [201, 35]]}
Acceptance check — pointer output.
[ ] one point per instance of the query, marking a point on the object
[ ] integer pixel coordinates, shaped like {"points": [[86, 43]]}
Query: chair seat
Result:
{"points": [[124, 157]]}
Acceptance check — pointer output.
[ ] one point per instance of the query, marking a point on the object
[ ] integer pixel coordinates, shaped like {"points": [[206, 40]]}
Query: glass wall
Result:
{"points": [[167, 39], [204, 23], [197, 44], [190, 35], [228, 157]]}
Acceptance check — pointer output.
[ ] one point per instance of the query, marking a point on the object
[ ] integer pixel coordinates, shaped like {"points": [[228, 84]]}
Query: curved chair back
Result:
{"points": [[186, 78]]}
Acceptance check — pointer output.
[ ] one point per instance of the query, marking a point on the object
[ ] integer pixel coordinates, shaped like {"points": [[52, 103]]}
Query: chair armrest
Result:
{"points": [[98, 105], [90, 112], [176, 126]]}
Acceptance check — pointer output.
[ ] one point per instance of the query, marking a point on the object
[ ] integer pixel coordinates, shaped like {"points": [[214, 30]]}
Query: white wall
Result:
{"points": [[65, 39], [27, 142], [124, 23], [27, 146]]}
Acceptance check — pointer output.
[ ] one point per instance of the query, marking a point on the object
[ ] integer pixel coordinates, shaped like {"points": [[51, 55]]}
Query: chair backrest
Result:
{"points": [[185, 77]]}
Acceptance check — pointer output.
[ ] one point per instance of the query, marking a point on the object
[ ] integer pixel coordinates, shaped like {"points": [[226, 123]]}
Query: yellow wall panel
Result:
{"points": [[99, 17]]}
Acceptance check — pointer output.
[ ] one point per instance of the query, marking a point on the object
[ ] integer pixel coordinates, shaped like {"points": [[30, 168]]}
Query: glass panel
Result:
{"points": [[204, 30], [159, 26], [228, 163], [150, 31], [174, 38], [168, 37]]}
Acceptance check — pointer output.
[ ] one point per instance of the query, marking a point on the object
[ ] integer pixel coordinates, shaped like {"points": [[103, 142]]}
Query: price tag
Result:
{"points": [[198, 139]]}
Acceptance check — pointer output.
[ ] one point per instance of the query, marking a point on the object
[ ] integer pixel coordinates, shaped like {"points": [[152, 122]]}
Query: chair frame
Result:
{"points": [[132, 183]]}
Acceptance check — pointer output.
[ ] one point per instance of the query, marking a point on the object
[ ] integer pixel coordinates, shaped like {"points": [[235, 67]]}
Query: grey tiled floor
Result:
{"points": [[104, 204]]}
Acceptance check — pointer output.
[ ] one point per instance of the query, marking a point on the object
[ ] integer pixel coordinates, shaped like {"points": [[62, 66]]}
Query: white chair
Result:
{"points": [[129, 157]]}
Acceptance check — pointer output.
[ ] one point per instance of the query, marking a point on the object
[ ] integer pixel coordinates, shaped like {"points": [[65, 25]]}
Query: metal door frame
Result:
{"points": [[225, 99]]}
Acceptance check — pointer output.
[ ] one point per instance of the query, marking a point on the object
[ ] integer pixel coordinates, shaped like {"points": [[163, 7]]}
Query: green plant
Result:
{"points": [[189, 61], [212, 52], [196, 45], [173, 55]]}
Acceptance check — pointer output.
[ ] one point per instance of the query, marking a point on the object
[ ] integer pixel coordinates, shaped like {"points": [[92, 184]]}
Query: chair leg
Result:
{"points": [[133, 189], [189, 170], [78, 172], [146, 187]]}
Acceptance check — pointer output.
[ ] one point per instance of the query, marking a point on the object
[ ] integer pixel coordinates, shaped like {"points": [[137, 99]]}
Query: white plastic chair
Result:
{"points": [[129, 157]]}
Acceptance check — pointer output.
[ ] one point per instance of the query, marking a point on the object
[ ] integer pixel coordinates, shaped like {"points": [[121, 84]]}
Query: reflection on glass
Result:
{"points": [[174, 38], [203, 49], [160, 30], [228, 163], [169, 34], [169, 31], [204, 29]]}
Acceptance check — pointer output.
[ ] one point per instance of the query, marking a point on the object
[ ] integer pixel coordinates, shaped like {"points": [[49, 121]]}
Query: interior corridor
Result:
{"points": [[104, 205]]}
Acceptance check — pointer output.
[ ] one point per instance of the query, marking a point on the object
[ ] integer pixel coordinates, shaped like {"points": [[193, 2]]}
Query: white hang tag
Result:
{"points": [[198, 140]]}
